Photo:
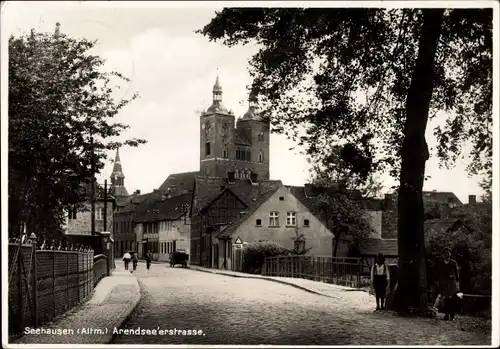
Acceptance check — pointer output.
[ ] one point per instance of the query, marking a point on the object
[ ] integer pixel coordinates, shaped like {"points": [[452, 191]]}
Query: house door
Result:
{"points": [[237, 260], [174, 248], [215, 248]]}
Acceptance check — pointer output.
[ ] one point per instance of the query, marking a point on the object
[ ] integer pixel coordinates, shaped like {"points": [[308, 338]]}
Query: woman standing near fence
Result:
{"points": [[380, 280], [448, 283], [126, 259]]}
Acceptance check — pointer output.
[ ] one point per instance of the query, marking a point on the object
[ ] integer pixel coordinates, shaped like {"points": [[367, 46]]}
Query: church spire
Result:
{"points": [[217, 90], [118, 178], [217, 106]]}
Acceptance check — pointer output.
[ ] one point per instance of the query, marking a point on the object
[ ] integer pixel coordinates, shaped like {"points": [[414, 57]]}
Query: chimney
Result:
{"points": [[230, 177], [472, 199], [137, 192], [254, 177]]}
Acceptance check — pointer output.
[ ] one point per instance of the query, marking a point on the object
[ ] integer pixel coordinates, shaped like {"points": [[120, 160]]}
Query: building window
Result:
{"points": [[224, 152], [207, 148], [260, 136], [261, 156], [236, 173], [299, 245], [290, 219], [247, 155], [99, 214], [282, 198], [306, 222], [274, 219], [72, 213], [238, 154], [258, 222]]}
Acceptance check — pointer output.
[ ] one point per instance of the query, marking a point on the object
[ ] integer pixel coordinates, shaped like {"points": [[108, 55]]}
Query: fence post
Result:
{"points": [[54, 283], [34, 283], [78, 274], [358, 279], [20, 287], [67, 281]]}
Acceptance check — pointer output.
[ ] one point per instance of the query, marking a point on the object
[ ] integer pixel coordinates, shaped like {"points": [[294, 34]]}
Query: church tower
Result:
{"points": [[243, 150], [216, 135], [117, 178], [253, 130]]}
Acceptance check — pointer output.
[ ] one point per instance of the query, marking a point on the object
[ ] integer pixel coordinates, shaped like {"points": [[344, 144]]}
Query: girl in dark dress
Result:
{"points": [[448, 283], [380, 280]]}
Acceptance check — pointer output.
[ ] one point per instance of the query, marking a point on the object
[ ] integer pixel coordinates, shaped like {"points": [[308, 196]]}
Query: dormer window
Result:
{"points": [[207, 148]]}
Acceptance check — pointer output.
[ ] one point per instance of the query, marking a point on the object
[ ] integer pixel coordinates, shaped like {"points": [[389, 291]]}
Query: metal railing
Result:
{"points": [[339, 271]]}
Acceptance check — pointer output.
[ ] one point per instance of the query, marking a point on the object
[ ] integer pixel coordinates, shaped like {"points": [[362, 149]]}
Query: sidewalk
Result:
{"points": [[357, 299], [114, 298]]}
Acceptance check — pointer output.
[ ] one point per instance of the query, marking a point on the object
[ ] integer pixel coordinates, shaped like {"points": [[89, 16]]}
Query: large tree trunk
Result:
{"points": [[412, 283]]}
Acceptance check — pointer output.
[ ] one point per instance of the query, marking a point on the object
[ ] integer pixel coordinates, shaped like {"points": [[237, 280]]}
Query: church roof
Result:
{"points": [[251, 114], [217, 107], [179, 182]]}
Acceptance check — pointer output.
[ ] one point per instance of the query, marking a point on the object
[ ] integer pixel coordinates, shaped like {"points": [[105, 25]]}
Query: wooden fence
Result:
{"points": [[340, 271], [44, 284]]}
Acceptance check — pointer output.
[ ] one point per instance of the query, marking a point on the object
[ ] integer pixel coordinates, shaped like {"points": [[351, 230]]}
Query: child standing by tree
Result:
{"points": [[380, 280]]}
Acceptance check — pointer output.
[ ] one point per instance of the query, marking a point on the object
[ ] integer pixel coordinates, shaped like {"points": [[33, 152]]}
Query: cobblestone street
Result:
{"points": [[250, 311]]}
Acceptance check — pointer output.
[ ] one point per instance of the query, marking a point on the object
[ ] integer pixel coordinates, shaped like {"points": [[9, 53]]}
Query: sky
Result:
{"points": [[173, 69]]}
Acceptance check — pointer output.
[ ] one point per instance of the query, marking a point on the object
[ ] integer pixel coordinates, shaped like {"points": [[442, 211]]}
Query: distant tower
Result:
{"points": [[57, 32], [117, 178], [253, 133], [216, 136]]}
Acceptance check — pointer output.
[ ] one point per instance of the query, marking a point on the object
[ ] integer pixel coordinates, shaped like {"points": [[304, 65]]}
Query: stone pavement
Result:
{"points": [[113, 300], [315, 287]]}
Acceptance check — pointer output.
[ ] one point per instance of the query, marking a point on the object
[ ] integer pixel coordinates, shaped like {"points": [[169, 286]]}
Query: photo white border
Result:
{"points": [[206, 4]]}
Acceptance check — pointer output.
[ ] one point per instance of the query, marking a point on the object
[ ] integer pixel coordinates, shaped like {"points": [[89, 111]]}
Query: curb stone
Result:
{"points": [[125, 315], [265, 278]]}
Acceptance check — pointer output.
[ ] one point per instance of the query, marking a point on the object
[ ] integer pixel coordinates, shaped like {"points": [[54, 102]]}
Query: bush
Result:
{"points": [[255, 253]]}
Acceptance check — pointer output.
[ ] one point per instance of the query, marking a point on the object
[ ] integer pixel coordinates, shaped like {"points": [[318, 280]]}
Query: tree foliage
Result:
{"points": [[374, 77], [344, 214], [61, 110], [344, 74]]}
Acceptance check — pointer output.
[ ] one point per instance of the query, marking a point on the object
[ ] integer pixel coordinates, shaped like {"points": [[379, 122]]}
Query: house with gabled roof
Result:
{"points": [[217, 202]]}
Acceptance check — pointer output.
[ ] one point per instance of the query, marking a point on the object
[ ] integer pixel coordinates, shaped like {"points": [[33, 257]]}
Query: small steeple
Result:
{"points": [[117, 167], [57, 32], [217, 90], [118, 178], [252, 113], [217, 106]]}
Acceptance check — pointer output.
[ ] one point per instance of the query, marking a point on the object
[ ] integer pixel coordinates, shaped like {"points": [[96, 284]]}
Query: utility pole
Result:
{"points": [[105, 228], [92, 193]]}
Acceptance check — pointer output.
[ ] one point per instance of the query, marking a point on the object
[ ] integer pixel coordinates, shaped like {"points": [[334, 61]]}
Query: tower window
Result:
{"points": [[260, 136], [224, 152], [207, 148], [261, 156]]}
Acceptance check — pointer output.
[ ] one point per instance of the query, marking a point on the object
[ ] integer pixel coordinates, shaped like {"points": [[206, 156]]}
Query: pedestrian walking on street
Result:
{"points": [[135, 259], [126, 259], [149, 257], [380, 280], [448, 283]]}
